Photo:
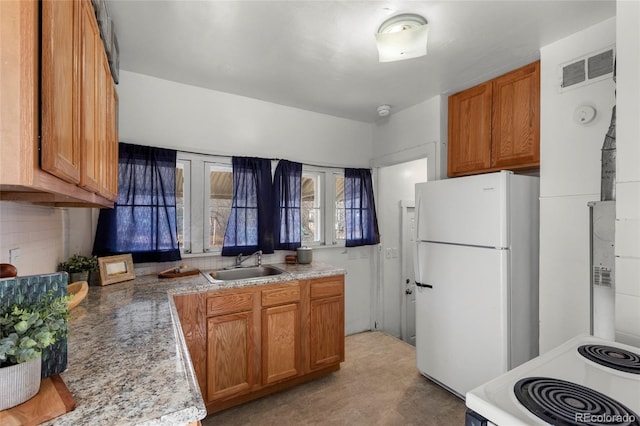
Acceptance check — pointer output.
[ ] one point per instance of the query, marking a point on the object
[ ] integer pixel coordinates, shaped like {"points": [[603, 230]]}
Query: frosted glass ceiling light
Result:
{"points": [[402, 37]]}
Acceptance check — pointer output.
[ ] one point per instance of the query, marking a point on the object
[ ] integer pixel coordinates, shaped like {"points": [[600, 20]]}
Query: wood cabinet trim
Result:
{"points": [[277, 296], [229, 303], [327, 287]]}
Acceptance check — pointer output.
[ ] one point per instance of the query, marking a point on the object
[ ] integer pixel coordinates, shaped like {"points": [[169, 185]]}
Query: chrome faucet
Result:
{"points": [[240, 258]]}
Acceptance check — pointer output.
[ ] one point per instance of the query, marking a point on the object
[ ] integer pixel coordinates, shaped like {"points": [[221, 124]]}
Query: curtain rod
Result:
{"points": [[271, 159]]}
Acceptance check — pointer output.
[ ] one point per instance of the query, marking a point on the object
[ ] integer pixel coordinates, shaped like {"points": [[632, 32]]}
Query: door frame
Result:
{"points": [[435, 153], [404, 206]]}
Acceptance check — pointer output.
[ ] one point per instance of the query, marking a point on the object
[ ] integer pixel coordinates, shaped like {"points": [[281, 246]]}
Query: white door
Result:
{"points": [[408, 286], [461, 310]]}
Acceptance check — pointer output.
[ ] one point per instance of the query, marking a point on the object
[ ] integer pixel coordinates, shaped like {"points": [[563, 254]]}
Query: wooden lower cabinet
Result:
{"points": [[280, 343], [326, 322], [248, 342], [229, 355], [327, 332]]}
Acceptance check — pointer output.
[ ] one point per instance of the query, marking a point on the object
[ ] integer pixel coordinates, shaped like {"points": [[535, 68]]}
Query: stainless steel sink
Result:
{"points": [[245, 273]]}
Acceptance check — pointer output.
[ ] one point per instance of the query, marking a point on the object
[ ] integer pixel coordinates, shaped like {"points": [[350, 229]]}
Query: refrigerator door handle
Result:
{"points": [[423, 285]]}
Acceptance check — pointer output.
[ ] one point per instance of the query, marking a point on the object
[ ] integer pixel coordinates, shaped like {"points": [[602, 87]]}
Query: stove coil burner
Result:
{"points": [[611, 357], [559, 402]]}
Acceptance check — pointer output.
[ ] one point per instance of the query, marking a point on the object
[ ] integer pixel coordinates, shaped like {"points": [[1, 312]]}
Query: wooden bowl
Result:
{"points": [[79, 291], [7, 270]]}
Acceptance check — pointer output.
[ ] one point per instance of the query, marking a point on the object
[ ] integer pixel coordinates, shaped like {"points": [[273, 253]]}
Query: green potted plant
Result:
{"points": [[25, 330], [78, 267]]}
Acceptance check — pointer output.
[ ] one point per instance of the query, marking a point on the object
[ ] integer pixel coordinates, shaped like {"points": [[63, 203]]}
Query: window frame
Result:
{"points": [[318, 176], [196, 224], [210, 166]]}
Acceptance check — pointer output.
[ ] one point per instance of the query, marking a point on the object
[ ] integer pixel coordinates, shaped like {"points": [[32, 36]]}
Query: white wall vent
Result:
{"points": [[587, 69]]}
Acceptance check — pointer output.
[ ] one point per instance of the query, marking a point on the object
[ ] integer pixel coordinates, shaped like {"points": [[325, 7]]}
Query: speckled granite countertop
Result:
{"points": [[128, 362]]}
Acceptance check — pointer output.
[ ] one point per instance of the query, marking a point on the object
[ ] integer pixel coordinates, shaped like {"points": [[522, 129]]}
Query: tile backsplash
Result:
{"points": [[36, 231]]}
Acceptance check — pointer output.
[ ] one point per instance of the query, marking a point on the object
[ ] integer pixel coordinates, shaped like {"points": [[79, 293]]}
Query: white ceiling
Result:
{"points": [[321, 55]]}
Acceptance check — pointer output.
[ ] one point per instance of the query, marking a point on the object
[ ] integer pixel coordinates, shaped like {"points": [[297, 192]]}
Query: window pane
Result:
{"points": [[220, 197], [311, 216], [180, 204], [340, 233]]}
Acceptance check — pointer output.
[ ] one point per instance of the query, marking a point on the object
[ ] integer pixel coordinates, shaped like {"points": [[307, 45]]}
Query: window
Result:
{"points": [[143, 220], [220, 193], [204, 191], [312, 208], [183, 174]]}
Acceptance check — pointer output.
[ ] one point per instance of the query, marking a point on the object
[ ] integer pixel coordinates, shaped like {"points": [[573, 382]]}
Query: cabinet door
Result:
{"points": [[102, 108], [280, 342], [60, 153], [326, 331], [112, 137], [470, 130], [90, 45], [515, 140], [229, 355]]}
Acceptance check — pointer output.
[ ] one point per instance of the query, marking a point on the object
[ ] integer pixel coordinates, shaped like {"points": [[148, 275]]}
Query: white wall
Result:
{"points": [[396, 183], [412, 133], [628, 174], [172, 115], [569, 179]]}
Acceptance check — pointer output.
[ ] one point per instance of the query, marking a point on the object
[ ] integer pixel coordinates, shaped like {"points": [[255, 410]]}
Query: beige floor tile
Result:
{"points": [[378, 384]]}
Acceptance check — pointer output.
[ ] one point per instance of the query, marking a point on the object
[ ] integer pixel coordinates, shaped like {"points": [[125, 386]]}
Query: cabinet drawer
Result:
{"points": [[229, 303], [278, 296], [333, 287]]}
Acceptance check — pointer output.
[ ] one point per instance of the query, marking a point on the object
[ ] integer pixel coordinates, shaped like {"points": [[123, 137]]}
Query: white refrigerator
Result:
{"points": [[476, 261]]}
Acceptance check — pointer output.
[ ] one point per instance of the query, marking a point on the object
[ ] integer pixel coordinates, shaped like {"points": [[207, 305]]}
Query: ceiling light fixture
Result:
{"points": [[401, 37]]}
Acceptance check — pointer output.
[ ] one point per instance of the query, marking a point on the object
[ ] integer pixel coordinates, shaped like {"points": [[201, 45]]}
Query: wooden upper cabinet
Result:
{"points": [[515, 135], [470, 130], [496, 125], [60, 153], [50, 152], [90, 149]]}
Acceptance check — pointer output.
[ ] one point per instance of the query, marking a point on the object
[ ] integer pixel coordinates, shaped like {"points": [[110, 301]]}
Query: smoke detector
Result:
{"points": [[383, 110]]}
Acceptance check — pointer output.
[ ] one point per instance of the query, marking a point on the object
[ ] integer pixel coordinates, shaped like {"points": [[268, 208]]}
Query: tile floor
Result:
{"points": [[378, 384]]}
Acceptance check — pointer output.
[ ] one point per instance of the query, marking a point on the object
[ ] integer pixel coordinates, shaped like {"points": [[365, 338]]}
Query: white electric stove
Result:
{"points": [[585, 381]]}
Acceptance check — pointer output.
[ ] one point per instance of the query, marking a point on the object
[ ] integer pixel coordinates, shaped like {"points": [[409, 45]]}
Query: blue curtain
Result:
{"points": [[250, 225], [361, 223], [143, 221], [287, 195]]}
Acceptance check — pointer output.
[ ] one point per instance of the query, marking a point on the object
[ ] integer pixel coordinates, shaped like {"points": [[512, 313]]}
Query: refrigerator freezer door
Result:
{"points": [[461, 326], [469, 210]]}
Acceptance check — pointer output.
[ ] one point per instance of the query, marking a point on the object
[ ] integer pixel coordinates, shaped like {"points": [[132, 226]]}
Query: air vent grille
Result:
{"points": [[573, 74], [600, 64], [588, 69]]}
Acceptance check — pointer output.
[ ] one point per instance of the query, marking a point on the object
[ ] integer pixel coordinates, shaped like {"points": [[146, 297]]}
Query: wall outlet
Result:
{"points": [[14, 254]]}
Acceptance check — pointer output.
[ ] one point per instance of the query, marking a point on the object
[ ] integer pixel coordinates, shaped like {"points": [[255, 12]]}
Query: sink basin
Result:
{"points": [[245, 273]]}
